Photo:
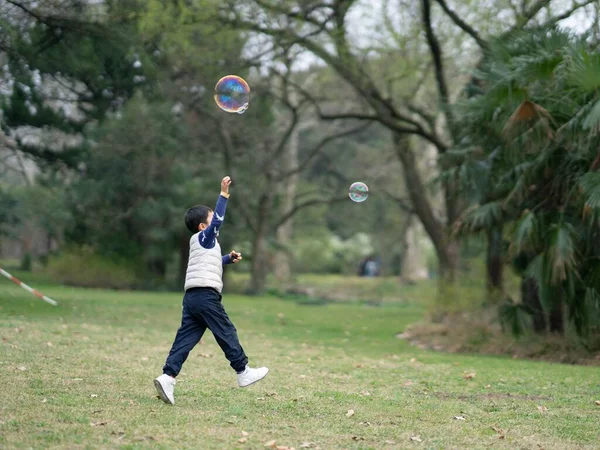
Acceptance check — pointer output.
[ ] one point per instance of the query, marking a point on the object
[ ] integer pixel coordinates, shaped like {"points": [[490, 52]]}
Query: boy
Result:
{"points": [[202, 307]]}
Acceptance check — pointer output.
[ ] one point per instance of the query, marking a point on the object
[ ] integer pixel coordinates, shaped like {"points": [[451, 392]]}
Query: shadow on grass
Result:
{"points": [[305, 299]]}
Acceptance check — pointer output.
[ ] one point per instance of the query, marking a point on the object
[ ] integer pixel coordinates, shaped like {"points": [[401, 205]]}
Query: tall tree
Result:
{"points": [[530, 141], [322, 29], [68, 64]]}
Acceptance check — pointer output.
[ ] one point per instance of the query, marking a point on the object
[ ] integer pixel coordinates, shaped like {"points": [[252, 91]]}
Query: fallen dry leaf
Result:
{"points": [[22, 368], [271, 444], [44, 400], [307, 445], [416, 439], [245, 434], [359, 366], [413, 360], [271, 394], [94, 395], [469, 375], [487, 386], [388, 442], [260, 398], [459, 418], [242, 440], [49, 344], [542, 409], [205, 355], [283, 447], [98, 424], [499, 432], [407, 383], [350, 413], [366, 424], [597, 402], [365, 394], [358, 438]]}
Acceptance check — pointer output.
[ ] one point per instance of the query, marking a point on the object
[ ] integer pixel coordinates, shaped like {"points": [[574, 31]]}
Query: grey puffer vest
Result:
{"points": [[205, 266]]}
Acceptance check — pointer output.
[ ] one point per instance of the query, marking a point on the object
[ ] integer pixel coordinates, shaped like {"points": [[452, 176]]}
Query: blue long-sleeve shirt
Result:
{"points": [[208, 237]]}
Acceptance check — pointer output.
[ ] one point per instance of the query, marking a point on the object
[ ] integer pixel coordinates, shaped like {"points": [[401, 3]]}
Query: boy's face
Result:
{"points": [[204, 226]]}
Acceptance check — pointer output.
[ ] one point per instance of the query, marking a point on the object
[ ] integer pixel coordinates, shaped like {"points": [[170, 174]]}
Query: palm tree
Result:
{"points": [[527, 159]]}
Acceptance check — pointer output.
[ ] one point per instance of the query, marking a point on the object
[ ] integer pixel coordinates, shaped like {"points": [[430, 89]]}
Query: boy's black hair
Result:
{"points": [[195, 216]]}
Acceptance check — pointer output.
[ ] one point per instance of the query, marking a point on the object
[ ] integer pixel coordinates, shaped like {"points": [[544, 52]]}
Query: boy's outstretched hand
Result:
{"points": [[225, 183], [235, 256]]}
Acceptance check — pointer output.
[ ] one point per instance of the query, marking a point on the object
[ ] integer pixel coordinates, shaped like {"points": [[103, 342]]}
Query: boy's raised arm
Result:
{"points": [[208, 236]]}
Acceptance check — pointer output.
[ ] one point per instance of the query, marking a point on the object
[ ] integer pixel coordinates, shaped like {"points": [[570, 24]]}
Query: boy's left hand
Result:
{"points": [[225, 183], [235, 256]]}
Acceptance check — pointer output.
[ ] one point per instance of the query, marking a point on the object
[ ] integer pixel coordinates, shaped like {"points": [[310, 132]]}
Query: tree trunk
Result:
{"points": [[556, 320], [530, 298], [259, 273], [495, 263], [447, 251], [413, 267], [284, 232], [158, 269]]}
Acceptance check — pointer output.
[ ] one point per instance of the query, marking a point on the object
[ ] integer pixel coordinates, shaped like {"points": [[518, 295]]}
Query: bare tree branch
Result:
{"points": [[350, 115], [402, 202], [417, 128], [427, 117], [29, 11], [529, 13], [568, 13], [319, 147], [350, 70], [303, 15], [436, 54], [463, 25], [298, 207]]}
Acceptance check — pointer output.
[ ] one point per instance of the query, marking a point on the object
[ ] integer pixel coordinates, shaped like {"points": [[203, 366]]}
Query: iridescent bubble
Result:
{"points": [[232, 94], [358, 192]]}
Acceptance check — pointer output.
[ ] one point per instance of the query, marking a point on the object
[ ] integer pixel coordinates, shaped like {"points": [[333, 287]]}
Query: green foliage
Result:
{"points": [[330, 254], [26, 262], [100, 271], [8, 212], [130, 200], [69, 65], [531, 126], [590, 184]]}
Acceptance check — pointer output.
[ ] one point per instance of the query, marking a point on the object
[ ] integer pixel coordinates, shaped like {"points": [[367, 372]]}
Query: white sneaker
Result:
{"points": [[165, 385], [250, 376]]}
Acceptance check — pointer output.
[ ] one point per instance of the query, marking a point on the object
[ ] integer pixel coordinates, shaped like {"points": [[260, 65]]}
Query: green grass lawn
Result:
{"points": [[80, 376]]}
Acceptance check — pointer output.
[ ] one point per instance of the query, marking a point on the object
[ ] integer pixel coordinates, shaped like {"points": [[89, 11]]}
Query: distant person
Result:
{"points": [[202, 307], [371, 268]]}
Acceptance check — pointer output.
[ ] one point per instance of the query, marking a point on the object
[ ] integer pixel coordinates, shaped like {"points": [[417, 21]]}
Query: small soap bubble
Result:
{"points": [[358, 192], [232, 94]]}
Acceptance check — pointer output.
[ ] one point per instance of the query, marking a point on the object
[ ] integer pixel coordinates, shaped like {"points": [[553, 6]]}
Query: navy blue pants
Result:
{"points": [[202, 309]]}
